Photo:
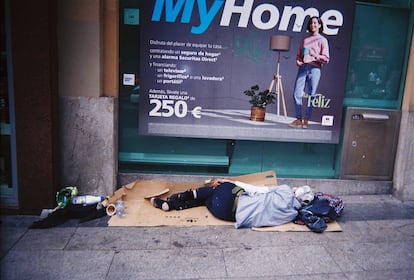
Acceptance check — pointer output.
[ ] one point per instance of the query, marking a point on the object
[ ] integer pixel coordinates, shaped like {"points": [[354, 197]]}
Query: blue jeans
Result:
{"points": [[307, 78], [219, 201]]}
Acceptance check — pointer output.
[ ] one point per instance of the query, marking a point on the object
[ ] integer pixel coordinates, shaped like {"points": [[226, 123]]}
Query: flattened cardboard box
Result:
{"points": [[140, 212]]}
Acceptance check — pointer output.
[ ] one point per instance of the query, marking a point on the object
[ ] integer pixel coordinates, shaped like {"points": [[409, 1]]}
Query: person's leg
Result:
{"points": [[300, 83], [204, 192], [199, 197], [184, 196], [313, 82], [221, 202], [298, 111], [184, 200]]}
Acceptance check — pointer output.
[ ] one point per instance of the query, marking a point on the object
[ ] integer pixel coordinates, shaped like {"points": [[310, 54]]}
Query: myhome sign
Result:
{"points": [[264, 16]]}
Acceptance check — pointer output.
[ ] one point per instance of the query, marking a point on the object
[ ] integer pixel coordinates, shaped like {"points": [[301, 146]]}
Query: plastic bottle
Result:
{"points": [[120, 208], [87, 199]]}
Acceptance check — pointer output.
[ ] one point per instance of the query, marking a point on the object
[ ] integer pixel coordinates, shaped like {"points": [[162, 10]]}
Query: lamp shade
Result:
{"points": [[280, 42]]}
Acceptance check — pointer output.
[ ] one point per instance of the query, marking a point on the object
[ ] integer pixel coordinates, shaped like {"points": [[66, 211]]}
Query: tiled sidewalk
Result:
{"points": [[377, 242]]}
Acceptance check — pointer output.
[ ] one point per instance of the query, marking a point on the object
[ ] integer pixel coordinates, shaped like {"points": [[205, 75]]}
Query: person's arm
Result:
{"points": [[217, 182], [247, 187], [252, 188], [299, 55]]}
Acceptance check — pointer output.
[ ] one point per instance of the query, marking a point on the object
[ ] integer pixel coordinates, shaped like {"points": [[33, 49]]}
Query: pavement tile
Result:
{"points": [[221, 237], [320, 276], [377, 242], [299, 238], [228, 237], [372, 231], [42, 239], [12, 228], [55, 264], [16, 221], [381, 207], [184, 263], [398, 274], [279, 261], [120, 238], [394, 229], [201, 237], [9, 237], [372, 256]]}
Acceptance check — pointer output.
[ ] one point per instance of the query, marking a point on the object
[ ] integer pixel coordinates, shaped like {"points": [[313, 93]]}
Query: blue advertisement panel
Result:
{"points": [[199, 57]]}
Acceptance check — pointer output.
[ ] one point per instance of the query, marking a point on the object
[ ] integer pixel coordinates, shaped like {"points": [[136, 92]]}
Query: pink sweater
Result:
{"points": [[316, 44]]}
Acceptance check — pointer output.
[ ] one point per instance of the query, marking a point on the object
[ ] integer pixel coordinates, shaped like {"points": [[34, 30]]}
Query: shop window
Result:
{"points": [[376, 67], [376, 73]]}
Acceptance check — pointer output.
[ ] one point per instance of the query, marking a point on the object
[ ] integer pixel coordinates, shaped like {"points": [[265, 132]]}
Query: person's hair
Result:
{"points": [[319, 21]]}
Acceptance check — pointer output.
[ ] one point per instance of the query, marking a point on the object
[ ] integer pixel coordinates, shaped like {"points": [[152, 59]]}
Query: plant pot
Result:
{"points": [[257, 114]]}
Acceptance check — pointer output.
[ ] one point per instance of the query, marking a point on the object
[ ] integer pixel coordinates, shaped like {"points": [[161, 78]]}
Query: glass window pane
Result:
{"points": [[377, 56], [375, 75]]}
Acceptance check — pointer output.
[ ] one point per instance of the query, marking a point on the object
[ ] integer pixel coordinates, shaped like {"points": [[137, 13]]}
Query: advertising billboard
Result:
{"points": [[198, 58]]}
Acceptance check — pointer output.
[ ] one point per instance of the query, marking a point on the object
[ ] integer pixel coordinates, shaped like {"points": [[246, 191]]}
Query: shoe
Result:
{"points": [[159, 203], [296, 123], [305, 124]]}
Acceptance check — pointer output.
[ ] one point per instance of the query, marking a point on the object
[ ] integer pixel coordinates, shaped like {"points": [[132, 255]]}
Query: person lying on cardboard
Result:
{"points": [[246, 205]]}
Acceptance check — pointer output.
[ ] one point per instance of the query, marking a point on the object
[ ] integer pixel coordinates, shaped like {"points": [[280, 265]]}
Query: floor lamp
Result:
{"points": [[279, 43]]}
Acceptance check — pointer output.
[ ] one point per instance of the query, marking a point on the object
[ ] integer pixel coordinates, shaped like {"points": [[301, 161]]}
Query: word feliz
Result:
{"points": [[318, 101], [332, 19]]}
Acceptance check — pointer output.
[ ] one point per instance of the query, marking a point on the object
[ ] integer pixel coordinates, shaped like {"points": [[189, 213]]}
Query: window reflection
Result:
{"points": [[5, 161], [376, 57]]}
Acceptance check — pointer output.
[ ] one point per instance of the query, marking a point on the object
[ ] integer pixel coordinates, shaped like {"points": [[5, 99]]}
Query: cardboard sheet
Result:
{"points": [[332, 226], [140, 212]]}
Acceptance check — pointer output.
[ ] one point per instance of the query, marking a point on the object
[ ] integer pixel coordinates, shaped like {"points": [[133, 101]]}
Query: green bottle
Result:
{"points": [[64, 196]]}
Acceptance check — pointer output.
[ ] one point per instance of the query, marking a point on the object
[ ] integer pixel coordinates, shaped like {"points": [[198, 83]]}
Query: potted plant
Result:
{"points": [[259, 100]]}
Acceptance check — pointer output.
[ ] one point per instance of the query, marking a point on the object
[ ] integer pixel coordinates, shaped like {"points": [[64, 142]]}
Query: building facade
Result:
{"points": [[67, 119]]}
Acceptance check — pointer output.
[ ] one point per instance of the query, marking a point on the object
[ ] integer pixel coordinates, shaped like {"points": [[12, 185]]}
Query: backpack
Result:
{"points": [[336, 204], [324, 208]]}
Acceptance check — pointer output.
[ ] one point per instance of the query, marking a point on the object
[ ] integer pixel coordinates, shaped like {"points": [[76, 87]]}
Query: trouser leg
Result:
{"points": [[312, 85], [298, 111], [185, 201], [309, 109], [300, 83], [221, 202]]}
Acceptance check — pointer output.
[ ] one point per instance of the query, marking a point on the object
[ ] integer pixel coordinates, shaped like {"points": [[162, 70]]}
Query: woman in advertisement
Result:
{"points": [[313, 52]]}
